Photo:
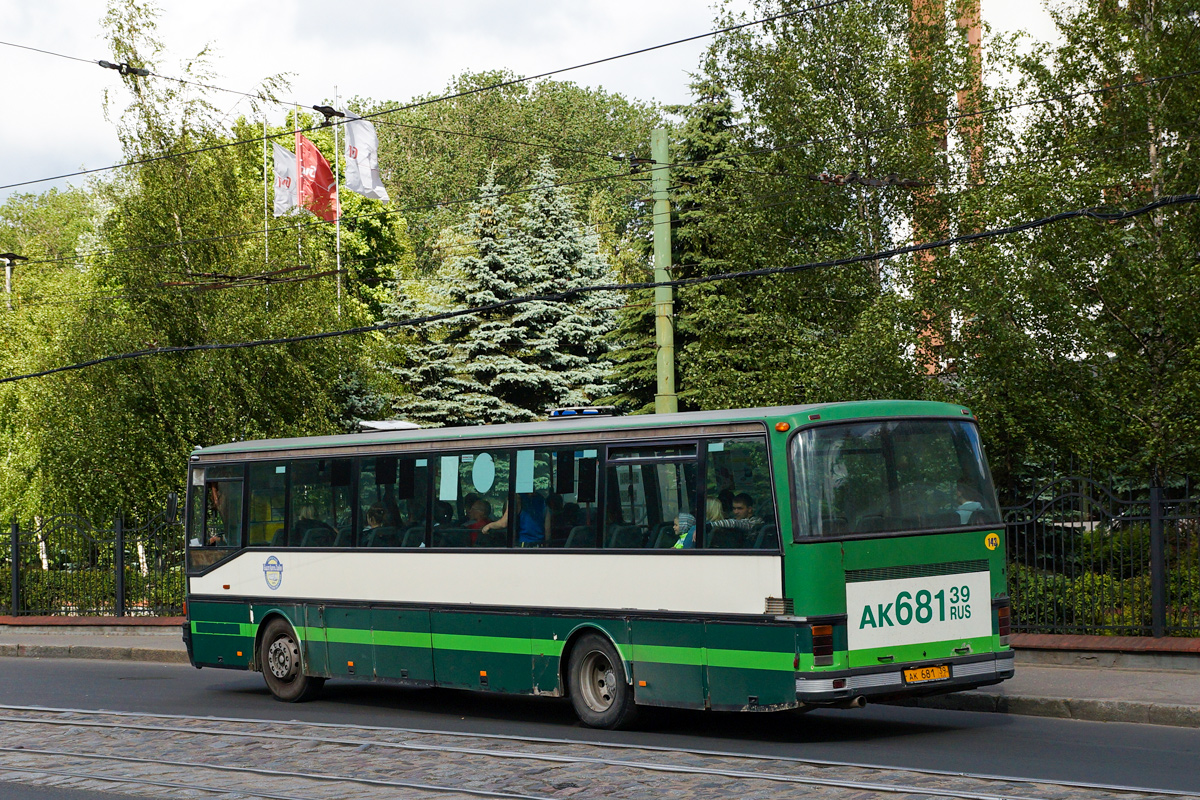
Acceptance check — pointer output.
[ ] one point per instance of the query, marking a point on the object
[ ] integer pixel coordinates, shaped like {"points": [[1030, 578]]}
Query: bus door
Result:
{"points": [[316, 658], [348, 641]]}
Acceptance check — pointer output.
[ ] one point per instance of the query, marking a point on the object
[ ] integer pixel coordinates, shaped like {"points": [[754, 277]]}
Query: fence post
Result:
{"points": [[16, 568], [119, 564], [1158, 565]]}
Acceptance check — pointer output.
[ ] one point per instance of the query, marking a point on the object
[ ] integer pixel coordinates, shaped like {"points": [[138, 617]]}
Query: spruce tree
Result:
{"points": [[508, 364], [570, 343]]}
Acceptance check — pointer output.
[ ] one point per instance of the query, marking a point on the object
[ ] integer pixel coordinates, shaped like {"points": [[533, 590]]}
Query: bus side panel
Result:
{"points": [[813, 575], [482, 651], [403, 646], [751, 666], [316, 654], [222, 635], [668, 658], [348, 641]]}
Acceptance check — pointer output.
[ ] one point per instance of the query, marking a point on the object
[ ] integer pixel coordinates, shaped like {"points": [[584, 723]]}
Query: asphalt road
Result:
{"points": [[1032, 747]]}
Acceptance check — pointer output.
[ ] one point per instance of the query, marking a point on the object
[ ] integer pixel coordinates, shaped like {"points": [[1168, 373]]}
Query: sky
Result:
{"points": [[377, 49]]}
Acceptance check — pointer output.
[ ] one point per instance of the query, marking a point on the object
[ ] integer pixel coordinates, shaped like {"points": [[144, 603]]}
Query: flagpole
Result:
{"points": [[337, 168], [266, 213], [299, 182]]}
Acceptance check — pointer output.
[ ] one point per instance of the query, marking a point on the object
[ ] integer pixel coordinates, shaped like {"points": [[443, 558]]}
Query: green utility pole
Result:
{"points": [[665, 400]]}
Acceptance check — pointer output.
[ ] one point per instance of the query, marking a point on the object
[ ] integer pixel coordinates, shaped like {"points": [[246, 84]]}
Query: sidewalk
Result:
{"points": [[157, 639], [1102, 679]]}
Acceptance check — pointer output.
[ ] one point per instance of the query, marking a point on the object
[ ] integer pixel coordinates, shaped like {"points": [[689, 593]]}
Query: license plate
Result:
{"points": [[926, 674]]}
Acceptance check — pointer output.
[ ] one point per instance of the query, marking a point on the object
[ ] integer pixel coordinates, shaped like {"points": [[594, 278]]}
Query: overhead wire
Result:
{"points": [[1090, 213], [416, 104]]}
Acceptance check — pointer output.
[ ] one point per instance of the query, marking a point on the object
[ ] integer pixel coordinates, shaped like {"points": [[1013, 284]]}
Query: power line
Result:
{"points": [[1087, 213]]}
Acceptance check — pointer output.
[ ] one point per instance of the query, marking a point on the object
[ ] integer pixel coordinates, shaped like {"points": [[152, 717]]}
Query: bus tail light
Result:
{"points": [[1004, 620], [822, 645]]}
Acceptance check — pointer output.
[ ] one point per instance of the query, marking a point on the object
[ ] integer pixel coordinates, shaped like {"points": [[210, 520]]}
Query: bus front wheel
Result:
{"points": [[599, 692], [279, 659]]}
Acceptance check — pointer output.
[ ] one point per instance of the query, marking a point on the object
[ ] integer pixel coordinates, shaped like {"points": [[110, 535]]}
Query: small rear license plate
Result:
{"points": [[926, 674]]}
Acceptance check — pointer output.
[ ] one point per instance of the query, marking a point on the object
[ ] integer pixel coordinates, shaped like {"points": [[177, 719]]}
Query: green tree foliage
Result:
{"points": [[508, 364], [176, 260], [438, 152], [1081, 339]]}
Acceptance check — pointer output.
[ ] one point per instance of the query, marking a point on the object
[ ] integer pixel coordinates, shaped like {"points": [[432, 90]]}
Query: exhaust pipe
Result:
{"points": [[853, 702]]}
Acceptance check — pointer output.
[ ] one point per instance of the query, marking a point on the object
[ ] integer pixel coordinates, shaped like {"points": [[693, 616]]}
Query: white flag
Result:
{"points": [[287, 183], [362, 159]]}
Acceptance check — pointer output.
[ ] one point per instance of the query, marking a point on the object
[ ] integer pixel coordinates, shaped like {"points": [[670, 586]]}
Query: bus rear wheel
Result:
{"points": [[279, 659], [601, 695]]}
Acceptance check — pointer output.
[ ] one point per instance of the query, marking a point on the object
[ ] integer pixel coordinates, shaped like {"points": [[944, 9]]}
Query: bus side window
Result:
{"points": [[651, 498], [320, 500], [268, 490], [739, 507], [573, 503]]}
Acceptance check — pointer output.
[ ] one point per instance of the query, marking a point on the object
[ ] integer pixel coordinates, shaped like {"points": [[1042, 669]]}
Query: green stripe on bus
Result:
{"points": [[752, 659], [223, 628], [646, 653], [482, 644], [403, 639], [665, 654], [917, 652]]}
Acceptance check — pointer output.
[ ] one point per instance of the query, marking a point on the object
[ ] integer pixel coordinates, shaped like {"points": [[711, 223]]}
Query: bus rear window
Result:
{"points": [[890, 477]]}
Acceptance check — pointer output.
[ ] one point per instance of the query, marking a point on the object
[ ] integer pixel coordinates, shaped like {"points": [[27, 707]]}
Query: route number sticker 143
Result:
{"points": [[915, 610]]}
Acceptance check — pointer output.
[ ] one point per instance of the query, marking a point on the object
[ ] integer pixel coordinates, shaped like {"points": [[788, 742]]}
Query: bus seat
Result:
{"points": [[280, 539], [343, 538], [319, 536], [581, 536], [665, 536], [414, 537], [767, 538], [383, 536], [725, 539], [944, 519], [869, 523], [626, 537], [451, 537], [493, 538]]}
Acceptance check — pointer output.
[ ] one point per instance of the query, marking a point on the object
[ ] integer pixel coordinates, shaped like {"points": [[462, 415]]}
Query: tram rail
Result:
{"points": [[807, 773]]}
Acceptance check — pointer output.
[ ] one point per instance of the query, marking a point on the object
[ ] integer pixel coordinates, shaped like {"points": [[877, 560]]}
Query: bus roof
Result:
{"points": [[798, 416]]}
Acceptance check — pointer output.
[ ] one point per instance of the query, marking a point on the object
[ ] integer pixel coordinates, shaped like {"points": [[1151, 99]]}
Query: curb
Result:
{"points": [[1065, 708], [147, 654]]}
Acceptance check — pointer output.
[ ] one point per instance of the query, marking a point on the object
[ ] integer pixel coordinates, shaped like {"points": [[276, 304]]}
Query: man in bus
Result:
{"points": [[744, 518]]}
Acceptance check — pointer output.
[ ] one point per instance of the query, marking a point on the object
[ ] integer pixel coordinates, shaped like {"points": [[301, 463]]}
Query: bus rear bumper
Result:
{"points": [[888, 682]]}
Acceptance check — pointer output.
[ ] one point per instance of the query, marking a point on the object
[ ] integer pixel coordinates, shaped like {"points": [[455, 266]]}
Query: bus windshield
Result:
{"points": [[890, 477]]}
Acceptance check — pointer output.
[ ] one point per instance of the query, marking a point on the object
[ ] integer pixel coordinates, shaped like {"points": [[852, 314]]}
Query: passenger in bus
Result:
{"points": [[685, 529], [479, 514], [218, 515], [533, 520], [744, 518], [713, 511], [309, 527], [378, 530]]}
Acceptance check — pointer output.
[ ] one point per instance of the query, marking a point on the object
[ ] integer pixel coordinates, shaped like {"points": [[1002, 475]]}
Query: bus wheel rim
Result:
{"points": [[281, 658], [597, 680]]}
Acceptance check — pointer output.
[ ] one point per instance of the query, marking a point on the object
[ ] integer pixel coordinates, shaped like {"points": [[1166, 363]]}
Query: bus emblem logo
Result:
{"points": [[991, 541], [273, 572]]}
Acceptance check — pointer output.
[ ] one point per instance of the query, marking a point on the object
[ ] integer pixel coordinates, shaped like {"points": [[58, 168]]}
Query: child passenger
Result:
{"points": [[685, 528]]}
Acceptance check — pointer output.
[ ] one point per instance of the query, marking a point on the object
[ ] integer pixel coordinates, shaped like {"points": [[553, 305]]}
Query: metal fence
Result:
{"points": [[62, 564], [1085, 558]]}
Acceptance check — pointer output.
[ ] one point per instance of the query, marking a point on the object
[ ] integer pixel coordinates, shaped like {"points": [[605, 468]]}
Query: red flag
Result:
{"points": [[318, 190]]}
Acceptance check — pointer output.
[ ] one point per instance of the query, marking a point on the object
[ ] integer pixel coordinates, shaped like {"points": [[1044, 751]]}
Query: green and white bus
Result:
{"points": [[752, 560]]}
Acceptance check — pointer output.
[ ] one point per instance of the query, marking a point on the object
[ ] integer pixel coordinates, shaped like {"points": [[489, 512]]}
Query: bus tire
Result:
{"points": [[279, 659], [601, 695]]}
